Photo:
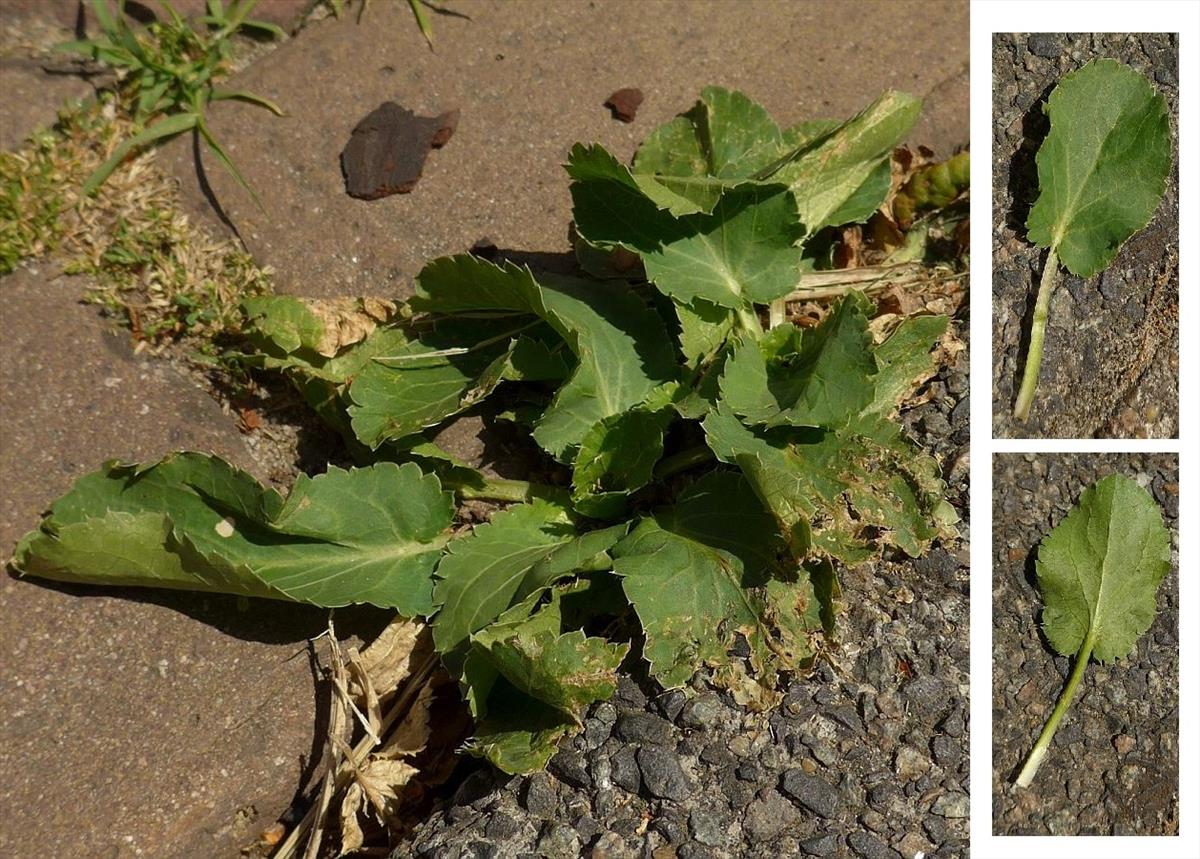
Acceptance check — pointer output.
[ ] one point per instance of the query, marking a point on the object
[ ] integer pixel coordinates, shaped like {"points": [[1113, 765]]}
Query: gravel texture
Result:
{"points": [[1110, 364], [867, 757], [1113, 766]]}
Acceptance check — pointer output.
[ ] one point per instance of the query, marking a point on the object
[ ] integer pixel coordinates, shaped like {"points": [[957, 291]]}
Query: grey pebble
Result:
{"points": [[820, 845], [707, 827], [570, 767], [538, 795], [768, 816], [662, 775], [869, 847], [814, 793], [558, 841], [704, 711], [643, 728], [624, 770], [952, 805]]}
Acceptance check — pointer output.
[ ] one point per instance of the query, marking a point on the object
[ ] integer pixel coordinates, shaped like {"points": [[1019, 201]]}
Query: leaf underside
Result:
{"points": [[1100, 568]]}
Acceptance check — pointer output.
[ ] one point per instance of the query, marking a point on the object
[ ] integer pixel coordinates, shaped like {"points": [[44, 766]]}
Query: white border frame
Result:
{"points": [[1056, 16]]}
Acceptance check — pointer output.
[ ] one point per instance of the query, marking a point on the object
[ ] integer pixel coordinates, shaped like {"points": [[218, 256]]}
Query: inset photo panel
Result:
{"points": [[1085, 643], [1085, 254]]}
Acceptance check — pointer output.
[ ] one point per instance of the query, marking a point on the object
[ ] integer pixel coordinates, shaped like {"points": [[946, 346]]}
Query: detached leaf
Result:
{"points": [[1103, 167], [1099, 573], [194, 522], [1102, 170]]}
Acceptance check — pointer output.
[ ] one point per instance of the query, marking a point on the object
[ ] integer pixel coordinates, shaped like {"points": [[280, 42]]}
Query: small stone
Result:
{"points": [[869, 847], [600, 724], [538, 795], [823, 750], [671, 703], [624, 770], [558, 841], [706, 827], [706, 711], [501, 827], [1124, 744], [912, 845], [716, 754], [1027, 692], [624, 103], [741, 745], [482, 850], [629, 694], [812, 792], [662, 775], [643, 728], [874, 821], [952, 805], [1044, 45], [570, 767], [749, 771], [910, 764], [935, 828], [768, 816], [610, 845], [953, 725], [928, 697], [587, 828], [889, 705], [946, 752], [819, 845], [672, 828], [881, 795]]}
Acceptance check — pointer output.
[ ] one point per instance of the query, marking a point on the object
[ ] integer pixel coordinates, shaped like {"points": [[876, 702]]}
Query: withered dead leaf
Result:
{"points": [[377, 788], [347, 321]]}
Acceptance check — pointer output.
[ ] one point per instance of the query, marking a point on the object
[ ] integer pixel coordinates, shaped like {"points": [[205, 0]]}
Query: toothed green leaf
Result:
{"points": [[193, 521], [621, 346]]}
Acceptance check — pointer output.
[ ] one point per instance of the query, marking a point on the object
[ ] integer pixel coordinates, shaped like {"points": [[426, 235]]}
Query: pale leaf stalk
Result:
{"points": [[1037, 335], [503, 489], [1025, 778], [777, 312]]}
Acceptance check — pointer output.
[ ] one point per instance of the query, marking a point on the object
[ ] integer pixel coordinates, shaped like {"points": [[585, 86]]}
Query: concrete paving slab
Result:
{"points": [[531, 79], [133, 723]]}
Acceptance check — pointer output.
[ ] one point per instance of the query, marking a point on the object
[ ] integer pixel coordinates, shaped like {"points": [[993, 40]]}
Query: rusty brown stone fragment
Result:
{"points": [[387, 150]]}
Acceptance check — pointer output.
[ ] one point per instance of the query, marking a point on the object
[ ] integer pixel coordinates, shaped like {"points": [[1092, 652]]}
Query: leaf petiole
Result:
{"points": [[1037, 334], [1025, 778], [503, 489]]}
